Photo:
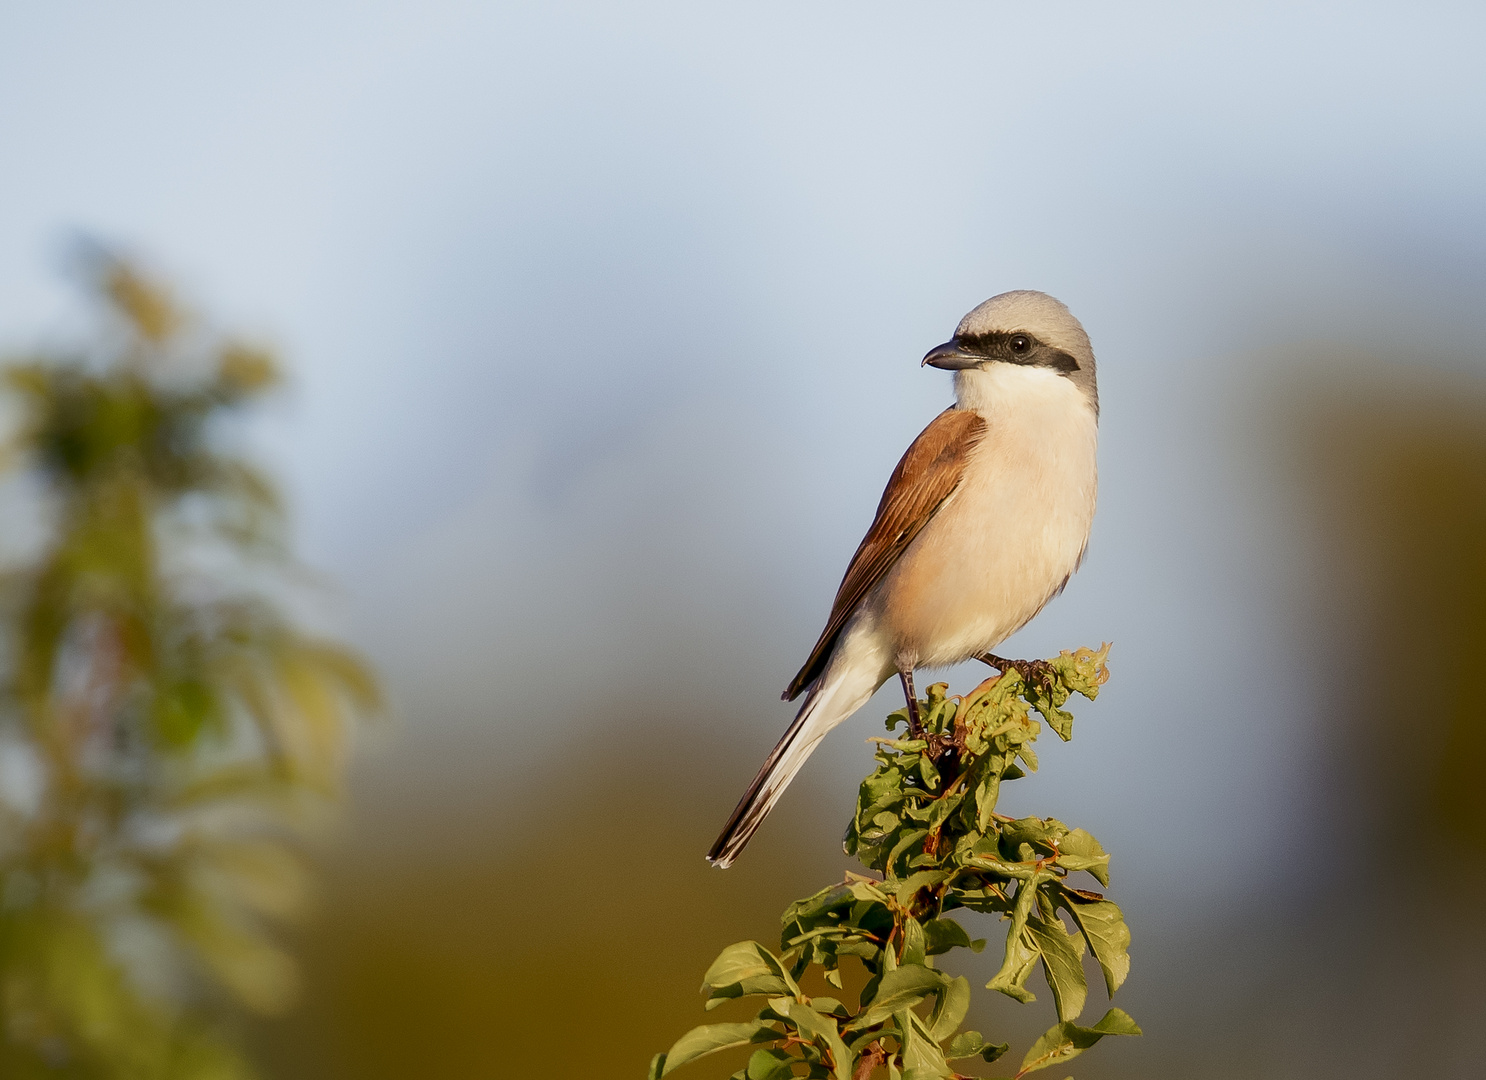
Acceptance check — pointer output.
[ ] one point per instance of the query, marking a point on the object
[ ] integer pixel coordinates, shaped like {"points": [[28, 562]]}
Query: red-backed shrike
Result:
{"points": [[983, 522]]}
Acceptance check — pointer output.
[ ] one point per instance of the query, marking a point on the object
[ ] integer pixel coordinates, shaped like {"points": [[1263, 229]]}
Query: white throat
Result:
{"points": [[1002, 389]]}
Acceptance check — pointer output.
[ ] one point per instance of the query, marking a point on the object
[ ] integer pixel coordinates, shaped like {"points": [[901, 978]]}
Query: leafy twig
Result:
{"points": [[926, 821]]}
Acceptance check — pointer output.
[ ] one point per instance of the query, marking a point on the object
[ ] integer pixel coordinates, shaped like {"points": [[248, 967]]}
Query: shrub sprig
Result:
{"points": [[926, 823]]}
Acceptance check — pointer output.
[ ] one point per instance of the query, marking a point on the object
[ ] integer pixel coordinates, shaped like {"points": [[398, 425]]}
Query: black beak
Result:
{"points": [[951, 357]]}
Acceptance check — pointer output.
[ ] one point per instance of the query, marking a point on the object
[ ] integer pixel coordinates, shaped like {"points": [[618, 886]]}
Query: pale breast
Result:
{"points": [[1012, 533]]}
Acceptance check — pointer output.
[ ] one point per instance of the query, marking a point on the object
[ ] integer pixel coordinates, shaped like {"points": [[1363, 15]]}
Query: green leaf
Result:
{"points": [[657, 1063], [913, 943], [941, 935], [762, 984], [1103, 924], [940, 809], [1067, 1040], [709, 1038], [746, 968], [1098, 866], [1060, 720], [950, 1008], [776, 1008], [992, 1051], [965, 1044], [936, 702], [770, 1063], [887, 821], [897, 990], [858, 1046], [1062, 956], [1043, 836], [1021, 950], [1080, 851], [1011, 980], [822, 1030], [924, 879], [828, 899], [906, 841], [922, 1058], [1117, 1022], [986, 794], [744, 960], [1083, 671], [973, 1044]]}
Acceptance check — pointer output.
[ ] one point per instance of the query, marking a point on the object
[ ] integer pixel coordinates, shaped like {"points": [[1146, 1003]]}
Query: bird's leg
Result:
{"points": [[915, 727], [1033, 672]]}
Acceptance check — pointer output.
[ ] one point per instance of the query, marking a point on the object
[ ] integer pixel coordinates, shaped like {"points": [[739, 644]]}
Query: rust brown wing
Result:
{"points": [[927, 475]]}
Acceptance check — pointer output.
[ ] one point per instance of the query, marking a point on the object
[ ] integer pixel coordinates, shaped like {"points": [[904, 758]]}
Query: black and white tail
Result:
{"points": [[837, 695]]}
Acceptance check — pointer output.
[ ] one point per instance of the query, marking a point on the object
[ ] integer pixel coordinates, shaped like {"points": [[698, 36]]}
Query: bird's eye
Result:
{"points": [[1020, 343]]}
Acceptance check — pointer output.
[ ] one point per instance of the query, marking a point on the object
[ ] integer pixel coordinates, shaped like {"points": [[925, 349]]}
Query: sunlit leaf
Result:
{"points": [[710, 1038], [899, 989], [965, 1044], [747, 962], [1067, 1040], [941, 935], [770, 1064], [922, 1058], [823, 1031], [1103, 925], [1062, 963], [1080, 851], [950, 1008], [1021, 950]]}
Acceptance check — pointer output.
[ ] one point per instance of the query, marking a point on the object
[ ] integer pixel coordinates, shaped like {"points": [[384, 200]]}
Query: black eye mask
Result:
{"points": [[1016, 347]]}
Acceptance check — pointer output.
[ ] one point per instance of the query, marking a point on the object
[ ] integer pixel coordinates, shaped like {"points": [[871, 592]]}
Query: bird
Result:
{"points": [[984, 520]]}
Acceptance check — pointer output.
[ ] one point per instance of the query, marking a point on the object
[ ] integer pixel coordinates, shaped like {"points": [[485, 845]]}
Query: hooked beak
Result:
{"points": [[951, 357]]}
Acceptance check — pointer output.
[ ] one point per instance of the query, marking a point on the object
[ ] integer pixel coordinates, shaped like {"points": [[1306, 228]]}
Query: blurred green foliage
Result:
{"points": [[926, 824], [167, 731]]}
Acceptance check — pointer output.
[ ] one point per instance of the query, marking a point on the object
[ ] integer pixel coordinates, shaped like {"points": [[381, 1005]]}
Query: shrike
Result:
{"points": [[983, 522]]}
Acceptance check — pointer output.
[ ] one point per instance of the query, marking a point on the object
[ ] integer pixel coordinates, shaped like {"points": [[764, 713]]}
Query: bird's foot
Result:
{"points": [[1033, 672]]}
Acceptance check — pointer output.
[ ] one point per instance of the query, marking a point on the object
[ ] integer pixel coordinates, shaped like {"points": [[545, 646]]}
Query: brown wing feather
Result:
{"points": [[927, 475]]}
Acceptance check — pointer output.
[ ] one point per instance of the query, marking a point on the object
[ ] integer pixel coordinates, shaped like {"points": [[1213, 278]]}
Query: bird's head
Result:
{"points": [[1027, 330]]}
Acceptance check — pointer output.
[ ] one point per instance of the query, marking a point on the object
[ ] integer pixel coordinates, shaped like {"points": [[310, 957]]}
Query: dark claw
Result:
{"points": [[1033, 672]]}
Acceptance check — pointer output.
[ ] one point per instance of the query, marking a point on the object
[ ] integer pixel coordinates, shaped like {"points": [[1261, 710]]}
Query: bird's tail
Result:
{"points": [[834, 697]]}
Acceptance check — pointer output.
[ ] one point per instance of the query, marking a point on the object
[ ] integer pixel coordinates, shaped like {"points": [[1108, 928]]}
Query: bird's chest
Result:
{"points": [[1009, 537]]}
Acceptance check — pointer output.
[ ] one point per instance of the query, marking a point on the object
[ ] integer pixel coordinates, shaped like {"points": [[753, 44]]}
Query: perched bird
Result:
{"points": [[983, 522]]}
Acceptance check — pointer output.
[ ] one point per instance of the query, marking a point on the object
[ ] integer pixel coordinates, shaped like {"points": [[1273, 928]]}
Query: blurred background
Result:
{"points": [[601, 325]]}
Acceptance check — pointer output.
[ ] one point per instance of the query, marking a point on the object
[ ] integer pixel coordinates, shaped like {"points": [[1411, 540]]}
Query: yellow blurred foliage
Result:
{"points": [[170, 725]]}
